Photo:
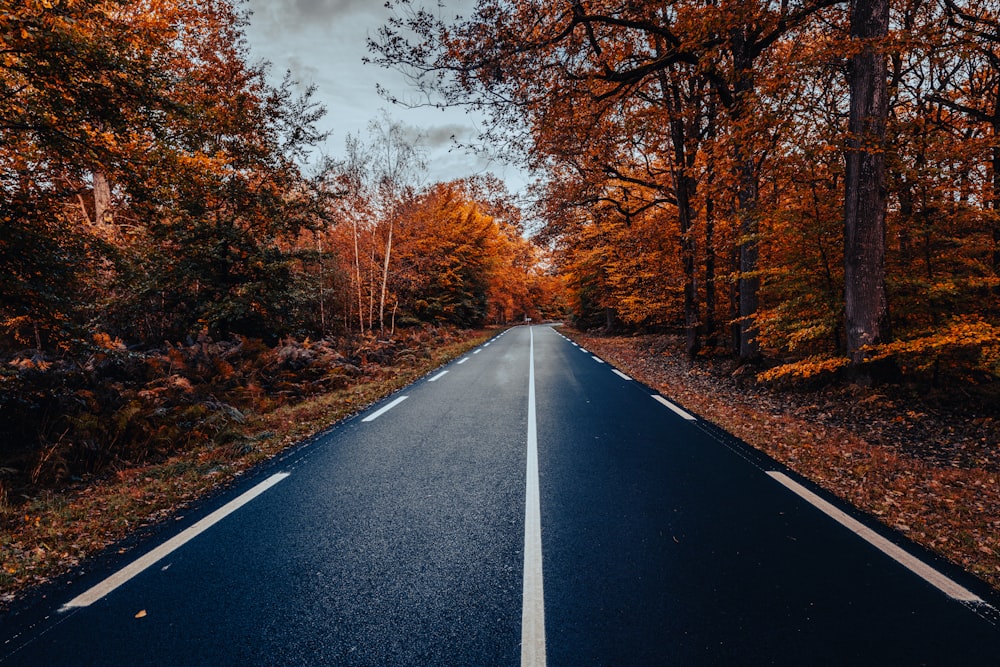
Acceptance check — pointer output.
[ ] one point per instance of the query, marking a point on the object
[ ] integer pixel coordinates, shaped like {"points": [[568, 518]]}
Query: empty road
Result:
{"points": [[526, 504]]}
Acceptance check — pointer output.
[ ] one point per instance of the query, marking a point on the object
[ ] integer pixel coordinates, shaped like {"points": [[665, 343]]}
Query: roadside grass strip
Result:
{"points": [[136, 567], [381, 411], [947, 586], [686, 415]]}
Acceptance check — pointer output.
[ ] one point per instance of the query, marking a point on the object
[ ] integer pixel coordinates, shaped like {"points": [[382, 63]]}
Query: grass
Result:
{"points": [[56, 531]]}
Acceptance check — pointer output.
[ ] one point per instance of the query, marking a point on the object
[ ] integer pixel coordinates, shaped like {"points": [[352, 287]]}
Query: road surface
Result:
{"points": [[526, 504]]}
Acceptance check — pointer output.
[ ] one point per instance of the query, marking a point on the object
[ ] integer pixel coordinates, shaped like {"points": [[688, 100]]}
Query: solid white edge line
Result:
{"points": [[438, 376], [686, 415], [381, 411], [533, 598], [597, 359], [134, 568], [464, 359], [900, 555], [620, 374]]}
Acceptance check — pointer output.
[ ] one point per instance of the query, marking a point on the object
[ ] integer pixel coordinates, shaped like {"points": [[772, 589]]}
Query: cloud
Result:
{"points": [[304, 73], [336, 16], [444, 136]]}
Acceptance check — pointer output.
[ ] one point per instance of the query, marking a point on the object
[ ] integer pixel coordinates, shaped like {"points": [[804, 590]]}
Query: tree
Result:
{"points": [[865, 302], [600, 51]]}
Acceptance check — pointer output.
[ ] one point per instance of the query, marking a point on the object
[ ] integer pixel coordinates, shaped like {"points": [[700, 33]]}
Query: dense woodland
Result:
{"points": [[814, 184], [173, 257], [810, 186]]}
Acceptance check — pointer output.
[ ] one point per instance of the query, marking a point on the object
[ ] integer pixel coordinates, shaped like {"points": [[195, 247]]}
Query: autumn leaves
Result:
{"points": [[794, 179]]}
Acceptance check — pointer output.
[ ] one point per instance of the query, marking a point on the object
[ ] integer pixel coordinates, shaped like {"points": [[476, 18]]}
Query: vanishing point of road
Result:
{"points": [[526, 504]]}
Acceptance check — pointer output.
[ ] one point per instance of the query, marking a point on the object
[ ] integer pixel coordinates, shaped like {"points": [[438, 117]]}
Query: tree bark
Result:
{"points": [[748, 283], [685, 188], [866, 307], [995, 222], [102, 197], [385, 278]]}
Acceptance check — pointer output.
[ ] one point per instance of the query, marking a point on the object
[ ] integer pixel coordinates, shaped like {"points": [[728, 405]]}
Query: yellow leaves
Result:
{"points": [[966, 336], [141, 614], [807, 368]]}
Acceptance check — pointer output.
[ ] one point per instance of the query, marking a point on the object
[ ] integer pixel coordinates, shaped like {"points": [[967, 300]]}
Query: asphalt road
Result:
{"points": [[399, 538]]}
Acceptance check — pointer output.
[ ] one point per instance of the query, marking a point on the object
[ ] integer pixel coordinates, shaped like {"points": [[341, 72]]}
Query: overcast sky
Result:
{"points": [[322, 42]]}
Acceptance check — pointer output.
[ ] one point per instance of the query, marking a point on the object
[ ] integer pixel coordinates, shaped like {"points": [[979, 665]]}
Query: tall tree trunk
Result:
{"points": [[685, 188], [995, 165], [995, 223], [710, 293], [358, 278], [102, 197], [866, 307], [749, 254], [385, 278], [692, 311], [748, 284]]}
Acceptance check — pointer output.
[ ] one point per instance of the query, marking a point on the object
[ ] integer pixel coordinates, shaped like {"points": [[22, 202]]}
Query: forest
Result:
{"points": [[810, 185], [174, 257], [807, 188]]}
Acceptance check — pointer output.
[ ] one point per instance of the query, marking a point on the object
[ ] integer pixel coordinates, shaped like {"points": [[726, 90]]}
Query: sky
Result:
{"points": [[322, 42]]}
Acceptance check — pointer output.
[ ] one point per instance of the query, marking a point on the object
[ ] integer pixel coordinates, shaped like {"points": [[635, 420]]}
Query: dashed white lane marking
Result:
{"points": [[682, 413], [464, 359], [438, 376], [381, 411], [584, 351], [487, 344], [575, 345], [533, 599], [620, 374], [597, 359], [478, 351], [901, 556], [159, 553]]}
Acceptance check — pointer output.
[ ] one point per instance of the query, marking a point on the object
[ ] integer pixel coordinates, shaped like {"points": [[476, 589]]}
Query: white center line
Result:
{"points": [[438, 376], [464, 359], [682, 413], [381, 411], [131, 570], [620, 374], [533, 599], [901, 556]]}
